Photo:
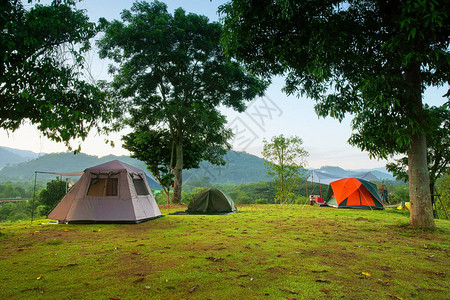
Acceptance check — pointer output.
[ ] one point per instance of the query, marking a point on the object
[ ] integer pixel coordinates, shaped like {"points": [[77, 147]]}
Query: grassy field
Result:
{"points": [[261, 252]]}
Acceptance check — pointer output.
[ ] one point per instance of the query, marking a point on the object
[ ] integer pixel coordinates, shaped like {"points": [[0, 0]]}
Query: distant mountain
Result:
{"points": [[23, 153], [241, 167], [380, 169], [380, 173], [336, 171], [11, 156], [58, 163]]}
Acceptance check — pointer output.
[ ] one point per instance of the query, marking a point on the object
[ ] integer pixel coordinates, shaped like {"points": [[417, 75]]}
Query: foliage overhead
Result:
{"points": [[173, 62], [42, 76], [438, 146], [352, 57], [171, 72]]}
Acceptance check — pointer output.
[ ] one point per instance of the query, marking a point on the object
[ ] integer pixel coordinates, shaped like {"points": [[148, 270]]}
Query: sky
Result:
{"points": [[273, 114]]}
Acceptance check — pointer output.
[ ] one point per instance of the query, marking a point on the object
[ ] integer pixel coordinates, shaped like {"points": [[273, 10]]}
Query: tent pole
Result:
{"points": [[306, 186], [320, 187], [34, 196]]}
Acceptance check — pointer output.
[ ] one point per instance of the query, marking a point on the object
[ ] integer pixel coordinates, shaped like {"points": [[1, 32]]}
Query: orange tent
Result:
{"points": [[353, 193]]}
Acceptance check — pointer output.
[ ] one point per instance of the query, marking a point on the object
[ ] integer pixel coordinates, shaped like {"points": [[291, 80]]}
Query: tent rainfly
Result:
{"points": [[353, 193], [113, 192], [211, 201]]}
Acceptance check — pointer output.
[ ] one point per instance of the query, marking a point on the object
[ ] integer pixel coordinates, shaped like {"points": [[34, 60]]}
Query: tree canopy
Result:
{"points": [[52, 194], [172, 68], [370, 59], [42, 77]]}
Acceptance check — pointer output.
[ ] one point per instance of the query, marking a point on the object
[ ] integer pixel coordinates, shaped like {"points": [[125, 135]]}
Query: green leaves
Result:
{"points": [[173, 75], [41, 75], [350, 57], [285, 160]]}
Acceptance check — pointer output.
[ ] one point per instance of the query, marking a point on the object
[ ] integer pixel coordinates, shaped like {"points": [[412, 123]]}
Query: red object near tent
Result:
{"points": [[353, 193], [319, 200]]}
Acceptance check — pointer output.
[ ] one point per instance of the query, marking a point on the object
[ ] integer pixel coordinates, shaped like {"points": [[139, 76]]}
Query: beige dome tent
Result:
{"points": [[113, 192]]}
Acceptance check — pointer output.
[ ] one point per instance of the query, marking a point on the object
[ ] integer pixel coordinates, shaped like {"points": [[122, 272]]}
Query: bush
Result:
{"points": [[261, 201], [443, 187], [15, 211], [244, 199], [41, 210], [301, 200], [161, 198], [399, 194]]}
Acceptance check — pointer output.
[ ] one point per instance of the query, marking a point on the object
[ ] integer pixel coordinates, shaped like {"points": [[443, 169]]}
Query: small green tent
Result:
{"points": [[211, 201]]}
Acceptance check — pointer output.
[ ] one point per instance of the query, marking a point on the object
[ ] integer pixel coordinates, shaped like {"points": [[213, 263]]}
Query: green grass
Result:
{"points": [[261, 252]]}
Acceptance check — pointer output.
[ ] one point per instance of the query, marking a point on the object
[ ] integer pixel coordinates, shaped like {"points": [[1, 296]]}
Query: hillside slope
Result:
{"points": [[59, 163], [240, 168], [378, 172], [9, 158]]}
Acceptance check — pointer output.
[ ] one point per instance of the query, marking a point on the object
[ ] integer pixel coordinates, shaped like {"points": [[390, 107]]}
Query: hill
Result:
{"points": [[241, 167], [10, 156], [380, 173], [26, 154], [59, 163]]}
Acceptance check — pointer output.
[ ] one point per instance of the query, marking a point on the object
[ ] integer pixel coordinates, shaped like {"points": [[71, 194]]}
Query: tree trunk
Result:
{"points": [[168, 196], [432, 183], [178, 172], [419, 184], [419, 178]]}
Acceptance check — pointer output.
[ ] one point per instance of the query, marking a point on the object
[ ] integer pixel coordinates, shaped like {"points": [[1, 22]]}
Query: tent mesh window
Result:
{"points": [[140, 187], [103, 187]]}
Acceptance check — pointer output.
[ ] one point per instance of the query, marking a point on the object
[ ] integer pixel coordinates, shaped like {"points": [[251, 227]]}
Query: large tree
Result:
{"points": [[371, 59], [173, 67], [42, 79]]}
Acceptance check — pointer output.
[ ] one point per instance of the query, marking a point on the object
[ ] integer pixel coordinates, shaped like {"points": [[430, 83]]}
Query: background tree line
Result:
{"points": [[263, 192]]}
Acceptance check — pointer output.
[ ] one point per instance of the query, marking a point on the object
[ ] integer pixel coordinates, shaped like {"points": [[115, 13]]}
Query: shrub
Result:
{"points": [[399, 194], [300, 200], [261, 201], [161, 198], [443, 187]]}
